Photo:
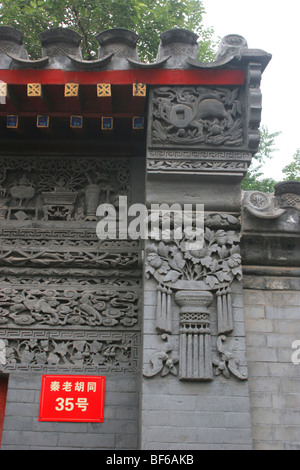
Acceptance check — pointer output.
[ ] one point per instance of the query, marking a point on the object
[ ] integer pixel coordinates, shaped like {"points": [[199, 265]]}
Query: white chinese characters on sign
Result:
{"points": [[56, 386], [68, 404], [72, 398]]}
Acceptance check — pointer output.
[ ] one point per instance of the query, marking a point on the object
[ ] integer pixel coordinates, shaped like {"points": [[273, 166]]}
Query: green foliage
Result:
{"points": [[254, 180], [292, 171], [265, 185], [148, 18]]}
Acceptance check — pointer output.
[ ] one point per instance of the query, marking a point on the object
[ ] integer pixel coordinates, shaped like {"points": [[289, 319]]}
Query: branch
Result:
{"points": [[82, 30]]}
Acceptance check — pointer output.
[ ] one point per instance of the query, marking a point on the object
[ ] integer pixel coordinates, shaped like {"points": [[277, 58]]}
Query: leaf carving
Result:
{"points": [[163, 250], [179, 260], [172, 276]]}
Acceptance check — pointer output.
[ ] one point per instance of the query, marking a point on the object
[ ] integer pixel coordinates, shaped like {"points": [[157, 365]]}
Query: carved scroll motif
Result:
{"points": [[273, 206], [57, 307], [162, 362], [227, 362]]}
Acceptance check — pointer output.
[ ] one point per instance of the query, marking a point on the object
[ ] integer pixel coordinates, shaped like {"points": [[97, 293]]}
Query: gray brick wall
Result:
{"points": [[23, 431], [177, 414], [272, 321], [195, 416]]}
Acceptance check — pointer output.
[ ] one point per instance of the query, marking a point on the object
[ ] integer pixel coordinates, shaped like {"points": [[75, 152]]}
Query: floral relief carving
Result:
{"points": [[162, 361], [104, 354], [217, 262], [194, 273], [227, 362]]}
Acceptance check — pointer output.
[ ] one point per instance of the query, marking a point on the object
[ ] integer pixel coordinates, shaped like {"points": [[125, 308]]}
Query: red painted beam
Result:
{"points": [[125, 77]]}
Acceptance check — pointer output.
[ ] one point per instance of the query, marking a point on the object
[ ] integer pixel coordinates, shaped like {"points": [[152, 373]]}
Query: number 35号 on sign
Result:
{"points": [[76, 398]]}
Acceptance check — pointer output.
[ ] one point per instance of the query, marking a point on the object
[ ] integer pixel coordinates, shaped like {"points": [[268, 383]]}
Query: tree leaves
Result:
{"points": [[255, 180], [292, 170], [148, 18]]}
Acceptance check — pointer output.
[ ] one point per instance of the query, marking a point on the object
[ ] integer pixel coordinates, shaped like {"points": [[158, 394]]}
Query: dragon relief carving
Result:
{"points": [[194, 275], [197, 115]]}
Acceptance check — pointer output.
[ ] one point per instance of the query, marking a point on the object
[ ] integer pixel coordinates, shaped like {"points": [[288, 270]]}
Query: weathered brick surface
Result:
{"points": [[272, 321]]}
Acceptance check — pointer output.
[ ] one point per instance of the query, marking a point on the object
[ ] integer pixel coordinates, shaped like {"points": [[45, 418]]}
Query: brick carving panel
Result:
{"points": [[69, 351], [200, 116], [65, 189], [68, 301], [196, 276]]}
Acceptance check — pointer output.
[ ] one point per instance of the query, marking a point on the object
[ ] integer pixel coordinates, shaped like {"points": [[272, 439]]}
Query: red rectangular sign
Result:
{"points": [[76, 398]]}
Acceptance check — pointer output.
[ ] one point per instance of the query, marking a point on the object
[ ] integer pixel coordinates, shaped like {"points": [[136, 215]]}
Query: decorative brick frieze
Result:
{"points": [[50, 351]]}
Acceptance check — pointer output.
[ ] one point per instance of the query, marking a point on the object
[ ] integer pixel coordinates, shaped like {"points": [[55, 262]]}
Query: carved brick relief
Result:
{"points": [[73, 306], [66, 189], [196, 278], [196, 161], [68, 301], [197, 116], [69, 351]]}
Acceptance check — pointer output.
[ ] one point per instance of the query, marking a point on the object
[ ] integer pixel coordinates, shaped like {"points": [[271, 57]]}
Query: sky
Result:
{"points": [[273, 26]]}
